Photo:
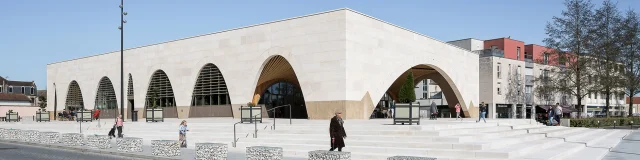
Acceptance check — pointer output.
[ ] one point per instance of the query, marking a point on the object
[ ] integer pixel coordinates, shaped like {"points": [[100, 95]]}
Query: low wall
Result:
{"points": [[22, 110]]}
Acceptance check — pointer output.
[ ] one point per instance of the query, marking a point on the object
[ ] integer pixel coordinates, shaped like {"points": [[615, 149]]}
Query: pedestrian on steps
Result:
{"points": [[483, 112], [337, 133], [551, 115], [182, 131], [458, 112], [434, 111], [558, 113]]}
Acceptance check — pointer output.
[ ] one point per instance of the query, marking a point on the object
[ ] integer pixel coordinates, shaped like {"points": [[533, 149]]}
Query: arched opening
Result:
{"points": [[74, 97], [210, 96], [106, 99], [130, 102], [431, 87], [160, 94], [277, 86]]}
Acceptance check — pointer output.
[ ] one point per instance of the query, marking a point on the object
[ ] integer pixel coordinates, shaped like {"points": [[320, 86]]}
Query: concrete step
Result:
{"points": [[572, 145]]}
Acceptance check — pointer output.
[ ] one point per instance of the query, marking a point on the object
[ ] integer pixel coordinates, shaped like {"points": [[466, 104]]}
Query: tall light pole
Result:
{"points": [[55, 101], [122, 22]]}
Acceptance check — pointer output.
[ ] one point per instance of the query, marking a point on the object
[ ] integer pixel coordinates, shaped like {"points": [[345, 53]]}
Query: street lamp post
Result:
{"points": [[55, 101], [122, 22]]}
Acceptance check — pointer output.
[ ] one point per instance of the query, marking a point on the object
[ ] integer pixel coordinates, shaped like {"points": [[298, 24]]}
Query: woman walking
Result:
{"points": [[458, 111], [337, 133], [119, 125], [182, 130]]}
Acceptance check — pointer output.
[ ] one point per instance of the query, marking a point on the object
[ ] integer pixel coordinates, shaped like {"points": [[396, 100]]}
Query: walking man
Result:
{"points": [[337, 133], [558, 115], [551, 114], [483, 112], [434, 111], [119, 126], [458, 111]]}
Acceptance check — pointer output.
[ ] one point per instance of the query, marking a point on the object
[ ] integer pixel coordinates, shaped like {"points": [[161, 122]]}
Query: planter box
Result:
{"points": [[407, 113], [12, 117], [250, 114], [85, 116], [42, 116], [165, 148], [264, 153], [155, 114], [211, 151]]}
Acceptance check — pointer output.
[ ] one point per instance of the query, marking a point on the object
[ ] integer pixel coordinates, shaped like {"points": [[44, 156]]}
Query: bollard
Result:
{"points": [[211, 151]]}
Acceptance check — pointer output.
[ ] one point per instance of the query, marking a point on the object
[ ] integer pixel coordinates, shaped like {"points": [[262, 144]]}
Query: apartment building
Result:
{"points": [[508, 68], [25, 88]]}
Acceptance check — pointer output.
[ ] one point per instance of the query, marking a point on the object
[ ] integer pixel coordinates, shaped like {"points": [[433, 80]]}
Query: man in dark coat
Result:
{"points": [[336, 130]]}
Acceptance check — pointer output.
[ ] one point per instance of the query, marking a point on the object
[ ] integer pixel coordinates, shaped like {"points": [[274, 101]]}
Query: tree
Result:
{"points": [[569, 40], [407, 93], [43, 102], [514, 92], [605, 51], [630, 56]]}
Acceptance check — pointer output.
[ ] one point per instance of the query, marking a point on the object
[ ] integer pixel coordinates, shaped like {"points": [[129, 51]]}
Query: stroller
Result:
{"points": [[112, 132]]}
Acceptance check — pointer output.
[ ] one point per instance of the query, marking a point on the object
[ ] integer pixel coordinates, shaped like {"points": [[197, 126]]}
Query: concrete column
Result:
{"points": [[513, 111], [524, 111], [492, 111]]}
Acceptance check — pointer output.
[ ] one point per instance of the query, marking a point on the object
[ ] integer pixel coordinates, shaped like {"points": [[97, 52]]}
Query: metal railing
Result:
{"points": [[273, 127]]}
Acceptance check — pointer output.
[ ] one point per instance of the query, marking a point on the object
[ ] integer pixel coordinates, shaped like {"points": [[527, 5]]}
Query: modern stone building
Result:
{"points": [[338, 60]]}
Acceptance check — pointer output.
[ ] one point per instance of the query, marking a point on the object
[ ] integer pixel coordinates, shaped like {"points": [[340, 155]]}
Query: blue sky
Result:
{"points": [[34, 33]]}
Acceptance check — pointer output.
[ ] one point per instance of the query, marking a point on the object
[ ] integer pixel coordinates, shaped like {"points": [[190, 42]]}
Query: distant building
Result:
{"points": [[11, 99], [25, 88], [635, 106]]}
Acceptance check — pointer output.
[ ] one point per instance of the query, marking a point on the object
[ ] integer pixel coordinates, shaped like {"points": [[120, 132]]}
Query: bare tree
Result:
{"points": [[630, 56], [569, 41], [605, 51], [514, 93]]}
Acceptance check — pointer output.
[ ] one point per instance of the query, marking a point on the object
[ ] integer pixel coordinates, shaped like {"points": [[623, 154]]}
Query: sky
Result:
{"points": [[34, 33]]}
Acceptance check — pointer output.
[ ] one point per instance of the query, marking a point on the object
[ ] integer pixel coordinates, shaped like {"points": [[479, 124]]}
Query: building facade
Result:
{"points": [[338, 60], [508, 68], [28, 89]]}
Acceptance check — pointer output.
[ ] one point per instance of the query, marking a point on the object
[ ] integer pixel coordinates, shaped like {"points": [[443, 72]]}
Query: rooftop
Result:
{"points": [[13, 97]]}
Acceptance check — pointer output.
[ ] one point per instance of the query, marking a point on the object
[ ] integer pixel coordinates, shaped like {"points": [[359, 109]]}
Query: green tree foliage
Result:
{"points": [[407, 93]]}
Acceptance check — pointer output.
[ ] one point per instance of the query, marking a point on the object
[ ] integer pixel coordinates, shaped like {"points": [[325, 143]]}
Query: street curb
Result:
{"points": [[86, 150]]}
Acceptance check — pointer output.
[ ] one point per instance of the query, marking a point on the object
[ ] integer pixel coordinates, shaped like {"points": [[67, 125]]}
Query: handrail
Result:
{"points": [[274, 114], [235, 140], [255, 134]]}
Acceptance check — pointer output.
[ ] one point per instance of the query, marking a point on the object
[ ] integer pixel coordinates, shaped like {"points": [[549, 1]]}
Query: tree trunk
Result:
{"points": [[631, 105], [606, 101]]}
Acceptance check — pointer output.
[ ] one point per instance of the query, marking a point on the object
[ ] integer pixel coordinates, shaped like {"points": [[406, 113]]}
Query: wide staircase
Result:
{"points": [[443, 139]]}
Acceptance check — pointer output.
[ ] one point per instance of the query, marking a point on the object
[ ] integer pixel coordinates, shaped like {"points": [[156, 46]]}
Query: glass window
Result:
{"points": [[499, 93], [22, 90], [518, 52], [1, 89], [10, 89], [425, 95], [32, 90], [546, 58], [499, 71]]}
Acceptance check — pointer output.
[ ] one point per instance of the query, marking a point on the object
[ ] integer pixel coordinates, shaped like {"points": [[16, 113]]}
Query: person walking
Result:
{"points": [[119, 125], [458, 111], [551, 114], [434, 111], [558, 113], [483, 112], [337, 133], [182, 131]]}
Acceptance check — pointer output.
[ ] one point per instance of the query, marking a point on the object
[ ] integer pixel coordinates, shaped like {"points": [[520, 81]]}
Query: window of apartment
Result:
{"points": [[518, 71], [0, 89], [10, 89], [494, 47], [31, 91], [595, 95], [499, 93], [425, 95], [546, 58], [518, 52], [22, 90], [528, 89], [621, 96], [499, 70]]}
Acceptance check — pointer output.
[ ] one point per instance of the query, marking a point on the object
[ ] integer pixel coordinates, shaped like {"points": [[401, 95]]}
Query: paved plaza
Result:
{"points": [[370, 139]]}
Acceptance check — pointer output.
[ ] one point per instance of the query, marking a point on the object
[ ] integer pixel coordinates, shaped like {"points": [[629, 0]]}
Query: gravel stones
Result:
{"points": [[211, 151], [49, 137], [410, 158], [72, 139], [99, 141], [166, 148], [329, 155], [129, 144], [2, 130], [264, 153], [29, 136], [12, 134]]}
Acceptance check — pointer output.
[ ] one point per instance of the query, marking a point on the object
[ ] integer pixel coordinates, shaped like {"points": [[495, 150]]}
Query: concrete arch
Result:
{"points": [[74, 98], [210, 96], [130, 96], [274, 70], [160, 86], [428, 71], [105, 99]]}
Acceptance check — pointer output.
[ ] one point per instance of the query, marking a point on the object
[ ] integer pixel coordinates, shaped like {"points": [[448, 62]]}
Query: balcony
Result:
{"points": [[528, 63], [492, 53], [528, 80]]}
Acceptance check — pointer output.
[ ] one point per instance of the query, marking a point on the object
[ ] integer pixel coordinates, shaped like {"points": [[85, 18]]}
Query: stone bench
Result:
{"points": [[129, 144], [29, 136], [264, 153], [410, 158], [329, 155], [12, 134], [211, 151], [49, 137], [166, 148], [72, 139], [98, 141]]}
